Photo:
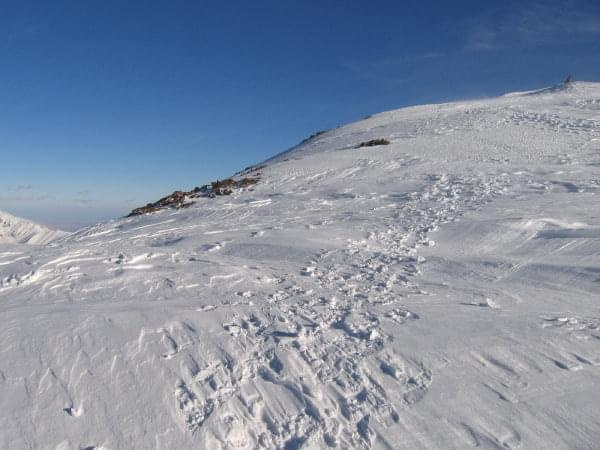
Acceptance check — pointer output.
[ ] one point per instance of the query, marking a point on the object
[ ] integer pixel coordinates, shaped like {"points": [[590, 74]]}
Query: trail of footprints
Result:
{"points": [[319, 343]]}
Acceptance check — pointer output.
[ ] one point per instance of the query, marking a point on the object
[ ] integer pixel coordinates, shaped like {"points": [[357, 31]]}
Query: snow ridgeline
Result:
{"points": [[437, 292], [15, 230]]}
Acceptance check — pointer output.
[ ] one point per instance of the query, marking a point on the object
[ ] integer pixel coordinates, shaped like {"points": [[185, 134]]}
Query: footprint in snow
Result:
{"points": [[487, 303], [308, 271], [206, 308]]}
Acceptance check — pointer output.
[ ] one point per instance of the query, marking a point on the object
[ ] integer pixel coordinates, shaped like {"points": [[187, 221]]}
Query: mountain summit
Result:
{"points": [[15, 230], [424, 278]]}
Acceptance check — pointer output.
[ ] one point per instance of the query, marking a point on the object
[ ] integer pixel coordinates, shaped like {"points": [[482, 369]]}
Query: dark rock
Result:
{"points": [[183, 199], [374, 143]]}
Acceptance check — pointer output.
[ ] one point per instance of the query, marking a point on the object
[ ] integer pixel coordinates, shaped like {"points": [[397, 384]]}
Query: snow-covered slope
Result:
{"points": [[438, 292], [15, 230]]}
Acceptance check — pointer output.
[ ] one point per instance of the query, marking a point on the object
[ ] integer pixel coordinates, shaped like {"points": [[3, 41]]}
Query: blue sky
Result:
{"points": [[106, 105]]}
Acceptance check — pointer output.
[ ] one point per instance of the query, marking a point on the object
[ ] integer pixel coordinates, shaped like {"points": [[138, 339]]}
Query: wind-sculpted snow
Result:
{"points": [[437, 292]]}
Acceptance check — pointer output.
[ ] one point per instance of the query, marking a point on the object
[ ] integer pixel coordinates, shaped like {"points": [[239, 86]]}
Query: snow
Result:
{"points": [[15, 230], [438, 292]]}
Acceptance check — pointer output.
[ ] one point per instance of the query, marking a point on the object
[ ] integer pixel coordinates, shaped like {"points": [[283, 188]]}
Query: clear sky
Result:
{"points": [[106, 105]]}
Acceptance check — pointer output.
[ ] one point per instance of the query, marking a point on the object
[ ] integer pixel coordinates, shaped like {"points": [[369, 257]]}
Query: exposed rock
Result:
{"points": [[251, 169], [314, 135], [374, 143], [183, 199]]}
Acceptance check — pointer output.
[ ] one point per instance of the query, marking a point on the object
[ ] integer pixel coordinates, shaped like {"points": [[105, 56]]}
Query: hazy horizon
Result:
{"points": [[109, 106]]}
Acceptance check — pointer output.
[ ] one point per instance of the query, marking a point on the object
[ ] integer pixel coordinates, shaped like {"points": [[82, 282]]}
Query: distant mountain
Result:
{"points": [[15, 230]]}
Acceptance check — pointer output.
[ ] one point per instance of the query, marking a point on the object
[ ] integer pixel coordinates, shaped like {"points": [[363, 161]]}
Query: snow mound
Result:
{"points": [[440, 291]]}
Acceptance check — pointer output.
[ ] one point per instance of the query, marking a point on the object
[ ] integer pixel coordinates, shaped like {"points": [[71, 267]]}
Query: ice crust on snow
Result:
{"points": [[437, 292]]}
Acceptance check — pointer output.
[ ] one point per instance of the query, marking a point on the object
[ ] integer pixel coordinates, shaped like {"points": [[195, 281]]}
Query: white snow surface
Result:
{"points": [[442, 291], [15, 230]]}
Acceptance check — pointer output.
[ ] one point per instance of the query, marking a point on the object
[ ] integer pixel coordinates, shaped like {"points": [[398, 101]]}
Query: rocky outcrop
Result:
{"points": [[374, 143], [183, 199]]}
